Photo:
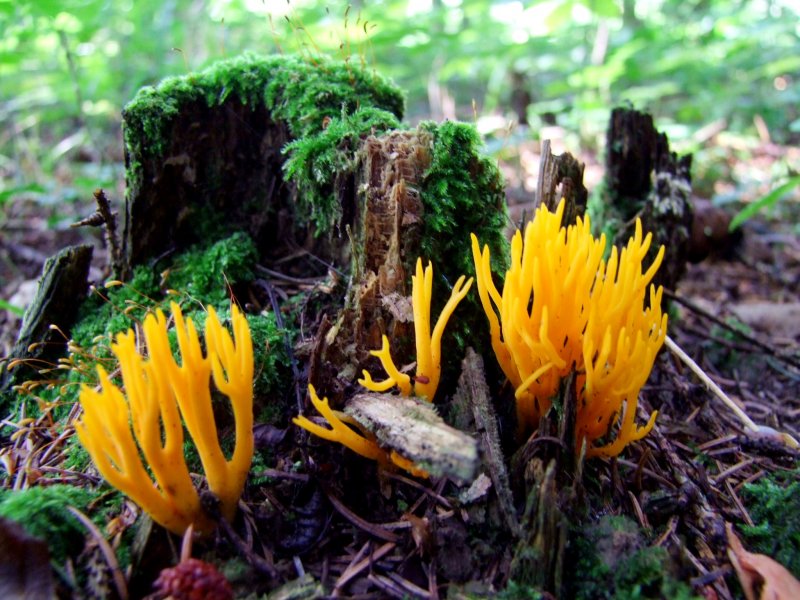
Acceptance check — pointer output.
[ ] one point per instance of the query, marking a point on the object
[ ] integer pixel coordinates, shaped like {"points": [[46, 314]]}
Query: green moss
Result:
{"points": [[203, 276], [203, 273], [611, 561], [271, 363], [518, 591], [300, 92], [206, 273], [604, 219], [774, 506], [42, 512], [462, 193], [318, 159]]}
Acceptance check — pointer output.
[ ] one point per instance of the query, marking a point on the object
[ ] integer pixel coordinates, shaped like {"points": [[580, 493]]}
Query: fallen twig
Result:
{"points": [[711, 385]]}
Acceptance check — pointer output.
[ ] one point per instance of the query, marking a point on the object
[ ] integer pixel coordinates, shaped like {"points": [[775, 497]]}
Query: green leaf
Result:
{"points": [[20, 189], [768, 200], [12, 308]]}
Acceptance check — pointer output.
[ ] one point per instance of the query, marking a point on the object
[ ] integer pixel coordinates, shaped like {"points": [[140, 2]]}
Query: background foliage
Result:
{"points": [[67, 67]]}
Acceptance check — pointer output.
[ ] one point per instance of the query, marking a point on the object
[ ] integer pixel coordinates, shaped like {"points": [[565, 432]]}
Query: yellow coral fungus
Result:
{"points": [[156, 388], [562, 308], [340, 432], [428, 344]]}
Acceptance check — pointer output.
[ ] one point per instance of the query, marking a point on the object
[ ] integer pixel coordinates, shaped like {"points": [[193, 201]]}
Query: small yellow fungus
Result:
{"points": [[117, 432], [428, 344], [564, 308], [340, 432]]}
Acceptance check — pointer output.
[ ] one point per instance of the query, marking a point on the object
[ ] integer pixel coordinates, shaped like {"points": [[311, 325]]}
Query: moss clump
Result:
{"points": [[774, 506], [203, 273], [613, 562], [270, 360], [317, 160], [297, 90], [518, 591], [204, 276], [42, 512], [206, 273], [462, 193]]}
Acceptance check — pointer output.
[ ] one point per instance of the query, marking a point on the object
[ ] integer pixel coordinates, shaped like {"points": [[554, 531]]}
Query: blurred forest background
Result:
{"points": [[721, 78]]}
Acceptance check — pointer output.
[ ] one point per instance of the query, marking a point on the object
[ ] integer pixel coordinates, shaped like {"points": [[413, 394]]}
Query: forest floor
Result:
{"points": [[737, 313]]}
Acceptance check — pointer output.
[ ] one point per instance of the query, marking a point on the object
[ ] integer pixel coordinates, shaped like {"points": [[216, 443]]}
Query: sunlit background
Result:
{"points": [[720, 77]]}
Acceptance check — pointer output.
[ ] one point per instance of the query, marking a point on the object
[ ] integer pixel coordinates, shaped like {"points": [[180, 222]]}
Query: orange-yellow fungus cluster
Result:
{"points": [[429, 345], [115, 430], [564, 308], [358, 443]]}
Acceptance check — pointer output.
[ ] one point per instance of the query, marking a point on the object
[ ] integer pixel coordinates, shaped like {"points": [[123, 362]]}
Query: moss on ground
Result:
{"points": [[205, 276], [774, 505], [612, 561], [43, 512]]}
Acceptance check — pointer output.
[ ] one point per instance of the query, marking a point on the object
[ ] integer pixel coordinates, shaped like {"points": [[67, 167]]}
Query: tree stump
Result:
{"points": [[385, 239], [204, 152], [645, 179]]}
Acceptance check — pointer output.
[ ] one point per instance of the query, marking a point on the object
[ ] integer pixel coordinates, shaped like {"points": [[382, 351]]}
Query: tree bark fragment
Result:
{"points": [[645, 179], [50, 316]]}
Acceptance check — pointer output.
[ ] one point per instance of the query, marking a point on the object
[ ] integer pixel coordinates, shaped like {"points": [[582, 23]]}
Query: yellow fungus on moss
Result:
{"points": [[563, 307], [114, 430], [428, 344], [341, 433]]}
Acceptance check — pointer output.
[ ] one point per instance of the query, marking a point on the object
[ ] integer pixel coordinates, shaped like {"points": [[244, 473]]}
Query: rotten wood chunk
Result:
{"points": [[644, 179], [412, 428], [539, 557], [561, 176], [61, 289], [385, 240], [472, 404], [550, 472]]}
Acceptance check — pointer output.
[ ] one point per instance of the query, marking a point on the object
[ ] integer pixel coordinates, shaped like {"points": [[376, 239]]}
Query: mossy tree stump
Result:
{"points": [[205, 156], [413, 204]]}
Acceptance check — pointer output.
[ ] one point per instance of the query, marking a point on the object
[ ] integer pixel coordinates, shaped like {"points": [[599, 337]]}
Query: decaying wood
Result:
{"points": [[549, 470], [223, 160], [561, 176], [472, 403], [644, 179], [50, 316], [539, 557], [385, 237], [413, 429]]}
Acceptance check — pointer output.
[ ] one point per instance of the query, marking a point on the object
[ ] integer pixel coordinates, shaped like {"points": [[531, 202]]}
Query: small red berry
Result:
{"points": [[193, 579]]}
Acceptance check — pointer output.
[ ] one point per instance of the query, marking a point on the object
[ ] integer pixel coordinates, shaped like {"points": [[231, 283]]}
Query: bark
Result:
{"points": [[221, 167], [645, 179], [412, 428], [385, 239], [48, 319], [561, 176]]}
